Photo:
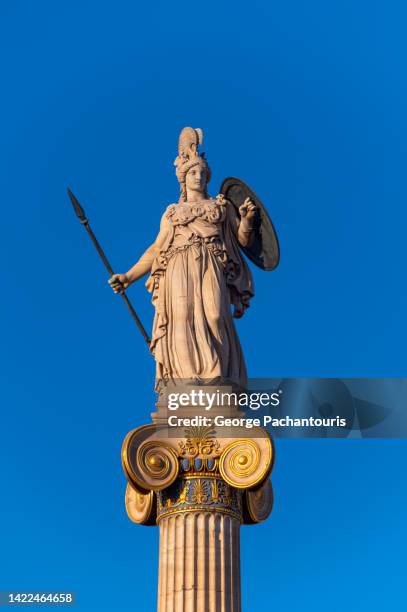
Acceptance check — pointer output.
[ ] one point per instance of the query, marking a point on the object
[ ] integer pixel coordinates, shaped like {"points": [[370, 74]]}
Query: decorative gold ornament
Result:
{"points": [[157, 465], [149, 463], [140, 508], [246, 463], [193, 494], [205, 466], [199, 441], [199, 496]]}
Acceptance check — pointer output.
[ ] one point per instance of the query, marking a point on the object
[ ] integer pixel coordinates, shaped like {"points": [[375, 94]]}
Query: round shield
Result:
{"points": [[264, 250]]}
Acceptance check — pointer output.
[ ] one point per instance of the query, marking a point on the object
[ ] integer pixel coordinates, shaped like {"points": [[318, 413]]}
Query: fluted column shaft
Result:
{"points": [[199, 566]]}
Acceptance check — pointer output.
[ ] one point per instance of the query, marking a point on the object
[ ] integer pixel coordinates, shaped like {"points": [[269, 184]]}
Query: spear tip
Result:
{"points": [[77, 207]]}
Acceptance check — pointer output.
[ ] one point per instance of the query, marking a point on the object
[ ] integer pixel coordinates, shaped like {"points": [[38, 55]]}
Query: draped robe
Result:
{"points": [[197, 276]]}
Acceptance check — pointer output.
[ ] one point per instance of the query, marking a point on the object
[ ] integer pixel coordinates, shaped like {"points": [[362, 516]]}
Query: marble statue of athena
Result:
{"points": [[196, 276]]}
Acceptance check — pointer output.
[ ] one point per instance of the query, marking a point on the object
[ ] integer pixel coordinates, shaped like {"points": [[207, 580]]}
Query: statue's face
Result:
{"points": [[196, 179]]}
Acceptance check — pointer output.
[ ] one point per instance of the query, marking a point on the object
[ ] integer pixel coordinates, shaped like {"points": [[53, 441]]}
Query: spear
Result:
{"points": [[80, 213]]}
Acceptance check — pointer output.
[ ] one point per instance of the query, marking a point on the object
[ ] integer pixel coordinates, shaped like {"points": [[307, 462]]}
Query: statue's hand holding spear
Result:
{"points": [[119, 283]]}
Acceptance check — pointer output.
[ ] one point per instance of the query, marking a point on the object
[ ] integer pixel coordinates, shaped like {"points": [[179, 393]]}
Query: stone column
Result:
{"points": [[199, 490], [199, 567]]}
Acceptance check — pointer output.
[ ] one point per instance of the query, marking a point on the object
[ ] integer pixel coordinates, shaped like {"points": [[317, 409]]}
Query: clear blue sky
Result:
{"points": [[306, 101]]}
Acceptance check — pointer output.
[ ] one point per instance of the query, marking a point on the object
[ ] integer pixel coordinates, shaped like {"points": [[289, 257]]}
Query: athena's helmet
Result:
{"points": [[189, 156]]}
